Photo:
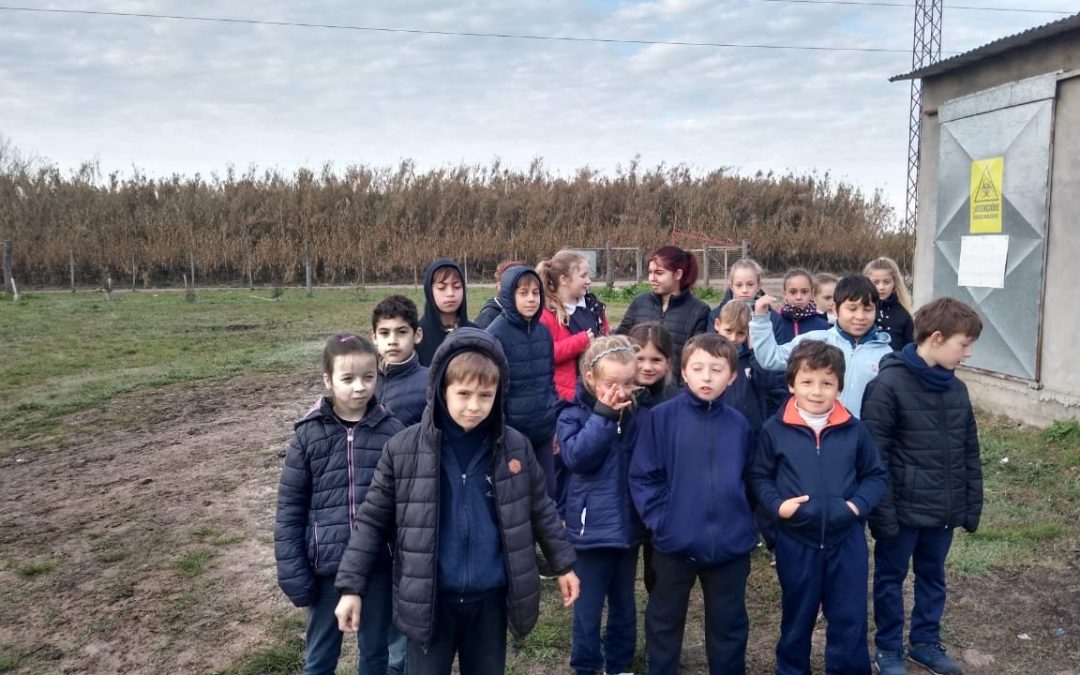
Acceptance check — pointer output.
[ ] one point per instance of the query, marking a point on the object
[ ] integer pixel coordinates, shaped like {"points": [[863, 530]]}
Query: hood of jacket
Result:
{"points": [[507, 288], [430, 320], [466, 340]]}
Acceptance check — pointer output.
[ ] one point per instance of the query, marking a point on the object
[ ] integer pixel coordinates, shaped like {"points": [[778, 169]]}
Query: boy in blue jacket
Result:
{"points": [[686, 480], [921, 416], [531, 401], [818, 470], [402, 384], [854, 333]]}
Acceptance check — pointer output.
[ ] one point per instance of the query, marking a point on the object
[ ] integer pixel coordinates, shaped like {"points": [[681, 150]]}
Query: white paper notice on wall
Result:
{"points": [[983, 261]]}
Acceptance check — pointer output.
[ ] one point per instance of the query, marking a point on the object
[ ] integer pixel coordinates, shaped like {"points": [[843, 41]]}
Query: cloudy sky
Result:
{"points": [[181, 96]]}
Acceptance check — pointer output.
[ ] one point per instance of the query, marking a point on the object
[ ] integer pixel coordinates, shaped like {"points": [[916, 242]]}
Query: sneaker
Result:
{"points": [[933, 658], [889, 663]]}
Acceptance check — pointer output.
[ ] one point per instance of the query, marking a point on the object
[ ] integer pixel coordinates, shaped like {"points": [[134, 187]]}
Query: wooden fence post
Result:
{"points": [[465, 271], [108, 288], [71, 267], [639, 264], [134, 271], [191, 259], [9, 281], [610, 272], [307, 272], [745, 249], [705, 265]]}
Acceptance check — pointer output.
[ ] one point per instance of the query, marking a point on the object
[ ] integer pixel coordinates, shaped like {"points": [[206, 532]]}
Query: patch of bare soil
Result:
{"points": [[145, 543]]}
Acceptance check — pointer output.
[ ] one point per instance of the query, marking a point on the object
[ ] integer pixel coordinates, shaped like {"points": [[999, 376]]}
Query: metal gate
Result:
{"points": [[993, 173]]}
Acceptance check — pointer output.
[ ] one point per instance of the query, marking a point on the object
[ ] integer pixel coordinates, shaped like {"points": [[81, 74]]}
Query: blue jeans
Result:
{"points": [[474, 631], [606, 574], [833, 579], [727, 627], [925, 549], [324, 638]]}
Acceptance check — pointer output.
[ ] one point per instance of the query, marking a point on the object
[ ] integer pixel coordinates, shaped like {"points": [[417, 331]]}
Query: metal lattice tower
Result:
{"points": [[926, 49]]}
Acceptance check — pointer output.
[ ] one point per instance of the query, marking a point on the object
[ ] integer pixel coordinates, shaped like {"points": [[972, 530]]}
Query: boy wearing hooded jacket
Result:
{"points": [[465, 498], [817, 469], [531, 401]]}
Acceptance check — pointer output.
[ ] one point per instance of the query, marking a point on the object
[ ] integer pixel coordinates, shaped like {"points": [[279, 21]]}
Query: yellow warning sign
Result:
{"points": [[986, 175]]}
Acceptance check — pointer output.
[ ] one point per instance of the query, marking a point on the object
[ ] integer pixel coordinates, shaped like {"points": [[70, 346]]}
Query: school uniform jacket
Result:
{"points": [[860, 358], [930, 445], [896, 322], [405, 493], [685, 317], [837, 465], [402, 387]]}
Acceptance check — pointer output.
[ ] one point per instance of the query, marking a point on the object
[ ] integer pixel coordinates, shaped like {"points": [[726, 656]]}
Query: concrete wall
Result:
{"points": [[1057, 394]]}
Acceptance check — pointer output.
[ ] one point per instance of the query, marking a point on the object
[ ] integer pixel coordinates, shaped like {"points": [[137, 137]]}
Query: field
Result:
{"points": [[140, 445]]}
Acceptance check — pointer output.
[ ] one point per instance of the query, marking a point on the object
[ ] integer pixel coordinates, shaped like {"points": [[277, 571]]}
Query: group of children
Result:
{"points": [[415, 493]]}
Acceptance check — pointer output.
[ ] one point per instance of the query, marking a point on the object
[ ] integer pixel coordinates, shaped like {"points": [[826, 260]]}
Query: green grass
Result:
{"points": [[284, 658], [193, 564], [37, 568]]}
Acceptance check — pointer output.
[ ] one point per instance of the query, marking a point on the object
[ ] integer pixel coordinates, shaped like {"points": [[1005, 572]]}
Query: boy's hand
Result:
{"points": [[763, 304], [854, 509], [348, 613], [789, 506], [570, 587]]}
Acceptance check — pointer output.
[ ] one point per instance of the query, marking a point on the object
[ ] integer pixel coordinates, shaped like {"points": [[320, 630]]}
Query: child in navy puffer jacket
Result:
{"points": [[328, 468], [596, 436]]}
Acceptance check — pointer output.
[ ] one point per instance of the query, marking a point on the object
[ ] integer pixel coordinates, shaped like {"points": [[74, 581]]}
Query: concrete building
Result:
{"points": [[999, 213]]}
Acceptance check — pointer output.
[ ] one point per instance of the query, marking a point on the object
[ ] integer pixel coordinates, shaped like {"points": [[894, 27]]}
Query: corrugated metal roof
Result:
{"points": [[1069, 23]]}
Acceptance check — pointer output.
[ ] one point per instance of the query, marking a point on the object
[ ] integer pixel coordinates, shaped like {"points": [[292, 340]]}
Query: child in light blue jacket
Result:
{"points": [[855, 334]]}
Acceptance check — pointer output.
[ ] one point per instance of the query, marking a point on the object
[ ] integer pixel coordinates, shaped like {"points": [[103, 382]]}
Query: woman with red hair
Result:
{"points": [[672, 273]]}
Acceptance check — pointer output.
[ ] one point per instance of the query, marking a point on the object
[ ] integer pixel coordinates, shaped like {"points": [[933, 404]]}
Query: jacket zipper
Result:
{"points": [[352, 481], [821, 482], [468, 539], [315, 530]]}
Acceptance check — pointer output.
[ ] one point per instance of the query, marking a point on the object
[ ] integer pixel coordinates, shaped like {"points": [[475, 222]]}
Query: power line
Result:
{"points": [[417, 31], [908, 6]]}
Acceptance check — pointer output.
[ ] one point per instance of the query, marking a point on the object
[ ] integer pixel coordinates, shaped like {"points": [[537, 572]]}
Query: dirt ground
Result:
{"points": [[144, 545]]}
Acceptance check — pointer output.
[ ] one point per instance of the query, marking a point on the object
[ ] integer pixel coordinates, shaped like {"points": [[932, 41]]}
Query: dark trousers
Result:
{"points": [[474, 631], [649, 573], [723, 588], [545, 457], [606, 574], [834, 579], [925, 550], [376, 614]]}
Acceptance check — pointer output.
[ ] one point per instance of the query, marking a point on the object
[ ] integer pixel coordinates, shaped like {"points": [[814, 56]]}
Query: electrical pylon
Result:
{"points": [[926, 49]]}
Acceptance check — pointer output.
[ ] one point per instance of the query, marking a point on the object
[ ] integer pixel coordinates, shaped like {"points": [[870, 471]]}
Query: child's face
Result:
{"points": [[577, 282], [947, 352], [614, 377], [662, 280], [823, 297], [815, 390], [395, 339], [798, 291], [856, 317], [448, 292], [737, 336], [707, 376], [470, 402], [652, 366], [527, 297], [884, 283], [744, 284], [351, 385]]}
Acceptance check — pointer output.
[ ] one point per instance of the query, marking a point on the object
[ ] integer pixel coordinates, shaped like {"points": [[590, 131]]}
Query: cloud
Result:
{"points": [[171, 96]]}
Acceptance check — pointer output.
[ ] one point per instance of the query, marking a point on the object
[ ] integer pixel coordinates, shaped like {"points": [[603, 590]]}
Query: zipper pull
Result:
{"points": [[584, 510], [463, 477]]}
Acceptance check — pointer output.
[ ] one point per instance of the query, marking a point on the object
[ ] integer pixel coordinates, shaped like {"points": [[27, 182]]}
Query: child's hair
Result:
{"points": [[343, 344], [500, 270], [471, 366], [674, 258], [526, 280], [716, 345], [816, 355], [446, 274], [797, 272], [654, 333], [822, 278], [948, 316], [736, 314], [745, 264], [396, 307], [616, 348], [550, 271], [855, 287], [889, 265]]}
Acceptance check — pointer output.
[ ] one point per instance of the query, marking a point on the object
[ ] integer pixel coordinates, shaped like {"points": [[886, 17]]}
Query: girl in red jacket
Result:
{"points": [[572, 315]]}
